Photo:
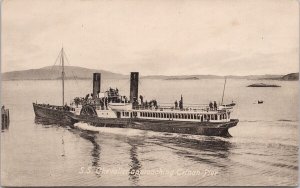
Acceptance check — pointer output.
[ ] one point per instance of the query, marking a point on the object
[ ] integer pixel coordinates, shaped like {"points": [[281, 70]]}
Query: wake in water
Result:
{"points": [[110, 130], [136, 132]]}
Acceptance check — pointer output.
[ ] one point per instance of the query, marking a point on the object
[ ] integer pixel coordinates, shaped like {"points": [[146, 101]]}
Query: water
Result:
{"points": [[262, 151]]}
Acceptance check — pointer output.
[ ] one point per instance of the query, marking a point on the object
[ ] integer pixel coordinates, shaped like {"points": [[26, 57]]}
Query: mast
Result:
{"points": [[63, 76], [223, 91]]}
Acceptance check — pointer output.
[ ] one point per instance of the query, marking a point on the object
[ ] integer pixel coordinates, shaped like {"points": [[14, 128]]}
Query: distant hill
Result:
{"points": [[258, 77], [53, 73], [197, 77], [72, 72], [184, 78], [291, 77]]}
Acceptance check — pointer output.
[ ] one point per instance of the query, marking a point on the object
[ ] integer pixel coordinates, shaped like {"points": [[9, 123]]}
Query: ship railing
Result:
{"points": [[163, 107], [185, 108]]}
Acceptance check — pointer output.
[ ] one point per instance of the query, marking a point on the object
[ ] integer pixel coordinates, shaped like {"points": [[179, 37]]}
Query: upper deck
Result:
{"points": [[203, 109]]}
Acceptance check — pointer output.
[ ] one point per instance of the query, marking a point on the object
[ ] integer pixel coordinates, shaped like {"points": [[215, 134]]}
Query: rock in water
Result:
{"points": [[263, 85]]}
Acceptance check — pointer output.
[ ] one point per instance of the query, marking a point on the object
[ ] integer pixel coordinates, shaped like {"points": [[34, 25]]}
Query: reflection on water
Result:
{"points": [[96, 151], [135, 164]]}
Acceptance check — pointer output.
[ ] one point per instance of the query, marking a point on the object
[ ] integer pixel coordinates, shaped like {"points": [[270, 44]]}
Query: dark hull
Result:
{"points": [[184, 127], [195, 128], [48, 115], [52, 115]]}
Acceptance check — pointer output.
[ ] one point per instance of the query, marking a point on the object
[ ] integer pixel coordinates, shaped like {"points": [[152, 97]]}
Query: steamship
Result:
{"points": [[110, 109]]}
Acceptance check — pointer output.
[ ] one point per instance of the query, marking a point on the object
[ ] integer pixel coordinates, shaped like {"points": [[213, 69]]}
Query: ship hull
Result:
{"points": [[195, 128], [52, 115]]}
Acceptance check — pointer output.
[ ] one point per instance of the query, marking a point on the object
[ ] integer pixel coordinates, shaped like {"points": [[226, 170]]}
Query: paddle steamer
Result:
{"points": [[110, 109]]}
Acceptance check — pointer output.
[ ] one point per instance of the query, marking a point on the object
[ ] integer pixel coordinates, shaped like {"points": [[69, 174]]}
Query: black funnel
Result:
{"points": [[134, 86], [96, 84]]}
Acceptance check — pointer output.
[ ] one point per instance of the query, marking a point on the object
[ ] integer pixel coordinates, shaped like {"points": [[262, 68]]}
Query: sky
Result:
{"points": [[153, 37]]}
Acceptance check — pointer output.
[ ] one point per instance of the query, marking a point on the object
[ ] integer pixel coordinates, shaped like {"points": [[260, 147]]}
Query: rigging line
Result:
{"points": [[74, 76], [60, 64], [223, 91], [69, 64], [59, 54], [66, 58], [58, 57]]}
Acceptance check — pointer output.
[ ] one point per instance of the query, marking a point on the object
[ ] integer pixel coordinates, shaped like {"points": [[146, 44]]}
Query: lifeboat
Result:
{"points": [[226, 106]]}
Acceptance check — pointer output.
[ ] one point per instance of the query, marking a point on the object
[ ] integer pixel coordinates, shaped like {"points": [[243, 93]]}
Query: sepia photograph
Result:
{"points": [[149, 93]]}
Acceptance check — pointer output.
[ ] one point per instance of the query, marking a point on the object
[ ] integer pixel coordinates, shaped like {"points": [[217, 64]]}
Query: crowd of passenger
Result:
{"points": [[62, 108]]}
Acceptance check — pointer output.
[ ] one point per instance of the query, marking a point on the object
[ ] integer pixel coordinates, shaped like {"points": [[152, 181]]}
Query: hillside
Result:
{"points": [[197, 77], [72, 72], [52, 73], [291, 77], [182, 77]]}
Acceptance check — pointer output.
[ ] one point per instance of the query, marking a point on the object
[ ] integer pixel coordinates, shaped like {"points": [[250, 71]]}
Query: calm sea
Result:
{"points": [[262, 151]]}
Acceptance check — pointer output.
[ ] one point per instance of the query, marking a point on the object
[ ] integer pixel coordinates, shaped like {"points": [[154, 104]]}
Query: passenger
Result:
{"points": [[180, 104], [141, 97], [210, 105], [215, 105], [104, 101], [102, 104], [87, 96], [155, 103], [176, 104]]}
